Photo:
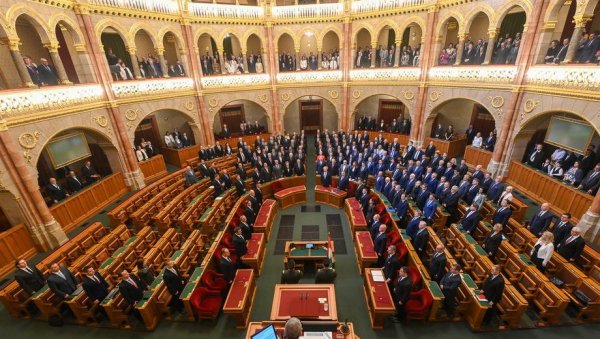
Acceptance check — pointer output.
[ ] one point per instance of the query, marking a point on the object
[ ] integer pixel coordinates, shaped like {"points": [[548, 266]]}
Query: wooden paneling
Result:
{"points": [[402, 138], [86, 203], [179, 157], [153, 168], [14, 244], [476, 156], [454, 148], [542, 188]]}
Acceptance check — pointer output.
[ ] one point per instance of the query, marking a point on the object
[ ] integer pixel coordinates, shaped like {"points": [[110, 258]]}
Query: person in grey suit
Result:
{"points": [[190, 176], [61, 281]]}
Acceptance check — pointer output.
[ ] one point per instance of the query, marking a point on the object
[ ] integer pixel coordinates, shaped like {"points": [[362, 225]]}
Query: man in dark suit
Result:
{"points": [[402, 293], [239, 186], [47, 73], [89, 173], [562, 228], [94, 285], [218, 185], [61, 281], [502, 213], [562, 52], [74, 183], [451, 202], [240, 243], [449, 285], [591, 181], [291, 275], [343, 182], [55, 191], [375, 226], [420, 240], [390, 267], [588, 49], [571, 247], [249, 213], [226, 266], [175, 284], [541, 220], [203, 168], [413, 224], [493, 288], [29, 278], [472, 191], [470, 219], [246, 228], [325, 177], [536, 158], [131, 288], [32, 69], [437, 264], [225, 132], [493, 240], [379, 242], [326, 275]]}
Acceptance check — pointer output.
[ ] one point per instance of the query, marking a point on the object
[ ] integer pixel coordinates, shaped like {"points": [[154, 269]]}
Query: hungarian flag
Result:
{"points": [[329, 246]]}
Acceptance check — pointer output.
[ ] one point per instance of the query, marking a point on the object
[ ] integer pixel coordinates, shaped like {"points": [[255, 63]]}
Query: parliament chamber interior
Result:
{"points": [[299, 168]]}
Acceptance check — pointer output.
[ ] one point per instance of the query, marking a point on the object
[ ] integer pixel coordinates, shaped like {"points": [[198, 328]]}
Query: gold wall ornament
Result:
{"points": [[285, 96], [263, 98], [27, 155], [356, 94], [530, 105], [334, 94], [101, 120], [189, 105], [434, 96], [496, 101], [213, 102], [29, 140], [131, 114], [408, 95]]}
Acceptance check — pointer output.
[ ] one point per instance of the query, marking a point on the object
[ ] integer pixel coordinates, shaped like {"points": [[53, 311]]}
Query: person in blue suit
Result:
{"points": [[379, 245], [379, 182], [422, 196], [413, 224], [375, 226], [325, 177], [495, 189], [540, 222], [429, 209], [470, 219], [343, 182], [433, 182], [402, 206], [387, 187], [502, 214], [410, 185]]}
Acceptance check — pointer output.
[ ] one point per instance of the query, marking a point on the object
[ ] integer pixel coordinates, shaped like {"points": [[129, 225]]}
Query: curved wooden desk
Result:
{"points": [[291, 196], [330, 196]]}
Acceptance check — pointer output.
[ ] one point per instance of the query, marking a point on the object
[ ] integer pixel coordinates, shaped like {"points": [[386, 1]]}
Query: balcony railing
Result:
{"points": [[24, 102], [366, 6], [407, 74], [126, 89], [226, 11], [315, 76], [235, 80], [159, 6], [579, 78], [307, 11], [490, 74]]}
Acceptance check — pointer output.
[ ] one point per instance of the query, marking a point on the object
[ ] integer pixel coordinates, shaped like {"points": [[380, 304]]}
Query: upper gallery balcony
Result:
{"points": [[305, 12], [220, 11], [155, 6], [373, 6]]}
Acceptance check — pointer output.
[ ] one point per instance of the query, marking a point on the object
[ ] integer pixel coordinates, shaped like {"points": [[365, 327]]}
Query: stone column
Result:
{"points": [[373, 52], [353, 55], [160, 52], [223, 61], [492, 35], [245, 61], [460, 48], [397, 53], [590, 221], [319, 59], [297, 61], [52, 48], [184, 61], [15, 53], [266, 62], [580, 23], [134, 63]]}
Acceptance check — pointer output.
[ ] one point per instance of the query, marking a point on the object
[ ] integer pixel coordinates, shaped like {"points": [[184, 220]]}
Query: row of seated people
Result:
{"points": [[245, 129], [580, 171], [369, 123], [55, 192]]}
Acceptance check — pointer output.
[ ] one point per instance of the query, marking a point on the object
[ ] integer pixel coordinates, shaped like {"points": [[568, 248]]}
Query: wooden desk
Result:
{"points": [[256, 252], [265, 217], [437, 295], [357, 219], [453, 148], [365, 250], [254, 327], [188, 290], [153, 168], [304, 301], [297, 250], [330, 196], [477, 156], [380, 303], [240, 298], [291, 196], [471, 308], [268, 189]]}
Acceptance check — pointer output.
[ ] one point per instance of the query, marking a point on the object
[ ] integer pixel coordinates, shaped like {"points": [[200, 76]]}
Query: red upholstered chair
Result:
{"points": [[419, 304], [386, 219], [380, 208], [351, 188], [206, 303], [334, 182], [276, 186], [393, 238], [213, 281], [401, 252], [227, 241], [239, 212], [415, 276]]}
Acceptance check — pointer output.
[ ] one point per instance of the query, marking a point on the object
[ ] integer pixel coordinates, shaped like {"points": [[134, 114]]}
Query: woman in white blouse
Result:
{"points": [[477, 140], [506, 195], [542, 251]]}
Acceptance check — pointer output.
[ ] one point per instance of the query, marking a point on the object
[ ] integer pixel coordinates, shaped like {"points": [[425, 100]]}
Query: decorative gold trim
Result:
{"points": [[29, 140], [408, 95], [189, 105], [213, 102], [334, 94], [434, 95], [131, 114], [101, 120], [356, 94], [263, 98], [530, 105], [497, 101], [27, 156], [285, 96]]}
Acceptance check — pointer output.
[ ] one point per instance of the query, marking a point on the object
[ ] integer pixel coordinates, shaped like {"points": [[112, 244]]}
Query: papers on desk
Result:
{"points": [[308, 335], [377, 276], [481, 297]]}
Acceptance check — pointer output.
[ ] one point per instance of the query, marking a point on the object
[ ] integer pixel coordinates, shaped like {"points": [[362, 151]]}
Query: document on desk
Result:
{"points": [[377, 276], [311, 335]]}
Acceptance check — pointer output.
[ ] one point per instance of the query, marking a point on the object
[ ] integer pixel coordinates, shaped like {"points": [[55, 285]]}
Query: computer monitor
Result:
{"points": [[265, 333]]}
